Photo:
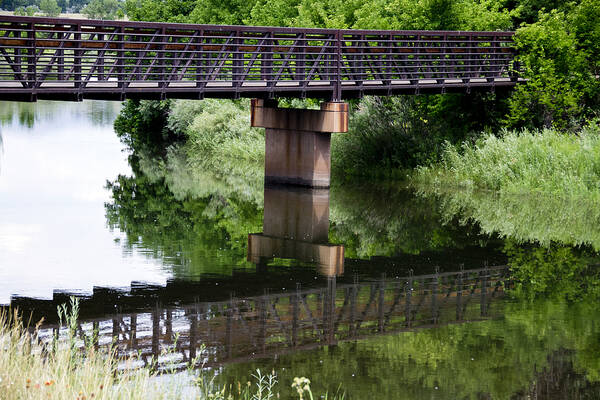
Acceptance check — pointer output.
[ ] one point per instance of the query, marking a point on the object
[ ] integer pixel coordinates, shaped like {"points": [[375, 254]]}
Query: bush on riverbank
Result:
{"points": [[520, 162], [391, 134]]}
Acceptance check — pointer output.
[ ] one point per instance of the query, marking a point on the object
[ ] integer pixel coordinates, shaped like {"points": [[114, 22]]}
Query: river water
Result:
{"points": [[374, 288]]}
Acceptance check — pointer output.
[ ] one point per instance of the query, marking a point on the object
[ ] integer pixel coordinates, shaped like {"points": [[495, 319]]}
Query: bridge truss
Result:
{"points": [[67, 59]]}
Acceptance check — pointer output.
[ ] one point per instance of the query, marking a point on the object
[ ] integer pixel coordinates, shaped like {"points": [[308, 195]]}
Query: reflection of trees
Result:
{"points": [[193, 236], [386, 219], [369, 220], [493, 359], [560, 380], [100, 113], [551, 243], [555, 270], [541, 218]]}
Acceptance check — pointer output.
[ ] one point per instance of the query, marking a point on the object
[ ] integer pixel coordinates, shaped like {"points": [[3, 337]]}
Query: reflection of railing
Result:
{"points": [[245, 328], [66, 58]]}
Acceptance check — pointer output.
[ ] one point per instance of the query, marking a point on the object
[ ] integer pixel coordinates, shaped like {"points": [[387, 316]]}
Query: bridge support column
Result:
{"points": [[298, 141]]}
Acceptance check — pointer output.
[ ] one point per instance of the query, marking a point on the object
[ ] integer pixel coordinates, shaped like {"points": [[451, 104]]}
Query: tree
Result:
{"points": [[63, 4], [558, 59], [101, 9], [49, 8], [29, 11]]}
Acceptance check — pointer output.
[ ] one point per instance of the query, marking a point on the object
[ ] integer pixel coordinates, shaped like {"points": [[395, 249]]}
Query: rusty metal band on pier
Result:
{"points": [[73, 59]]}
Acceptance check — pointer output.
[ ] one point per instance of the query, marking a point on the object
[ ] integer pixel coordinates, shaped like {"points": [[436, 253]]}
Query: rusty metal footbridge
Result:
{"points": [[69, 59]]}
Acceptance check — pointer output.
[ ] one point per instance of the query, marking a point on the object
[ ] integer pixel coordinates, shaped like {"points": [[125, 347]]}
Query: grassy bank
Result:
{"points": [[72, 368], [544, 161], [30, 370], [532, 186]]}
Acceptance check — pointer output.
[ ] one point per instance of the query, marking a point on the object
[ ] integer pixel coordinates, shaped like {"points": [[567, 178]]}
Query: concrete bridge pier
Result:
{"points": [[298, 141]]}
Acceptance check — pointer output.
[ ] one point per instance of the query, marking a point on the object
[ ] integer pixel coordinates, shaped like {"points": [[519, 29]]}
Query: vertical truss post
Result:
{"points": [[17, 57], [199, 55], [120, 58], [60, 54], [77, 58], [266, 64], [161, 56], [389, 62], [459, 290], [407, 309], [300, 60], [31, 57], [337, 95], [133, 331], [101, 59], [238, 61], [381, 304]]}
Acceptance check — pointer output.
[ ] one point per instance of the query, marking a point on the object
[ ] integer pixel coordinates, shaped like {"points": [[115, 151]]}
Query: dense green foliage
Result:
{"points": [[103, 9], [539, 161], [142, 127], [403, 132], [49, 8], [558, 53], [30, 7]]}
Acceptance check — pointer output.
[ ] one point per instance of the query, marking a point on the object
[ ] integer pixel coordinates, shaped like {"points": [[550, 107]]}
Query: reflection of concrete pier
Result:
{"points": [[296, 226]]}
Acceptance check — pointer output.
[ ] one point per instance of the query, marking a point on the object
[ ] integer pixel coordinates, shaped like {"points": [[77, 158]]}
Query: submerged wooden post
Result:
{"points": [[298, 141]]}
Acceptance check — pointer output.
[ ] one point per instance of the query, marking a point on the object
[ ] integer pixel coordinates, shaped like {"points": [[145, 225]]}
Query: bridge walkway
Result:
{"points": [[68, 59]]}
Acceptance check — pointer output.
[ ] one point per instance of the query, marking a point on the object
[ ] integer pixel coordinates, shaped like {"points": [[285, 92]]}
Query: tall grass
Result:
{"points": [[32, 370], [72, 367], [523, 162]]}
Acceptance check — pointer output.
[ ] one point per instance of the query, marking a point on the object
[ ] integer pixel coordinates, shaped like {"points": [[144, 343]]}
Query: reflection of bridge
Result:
{"points": [[244, 328], [72, 59]]}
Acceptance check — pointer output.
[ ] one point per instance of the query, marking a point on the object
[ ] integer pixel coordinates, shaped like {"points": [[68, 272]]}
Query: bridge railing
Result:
{"points": [[115, 58]]}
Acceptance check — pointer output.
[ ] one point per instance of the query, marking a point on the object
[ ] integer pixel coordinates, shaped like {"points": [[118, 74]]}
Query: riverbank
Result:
{"points": [[539, 161]]}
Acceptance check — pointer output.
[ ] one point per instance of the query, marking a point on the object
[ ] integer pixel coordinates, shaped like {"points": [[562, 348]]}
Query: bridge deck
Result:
{"points": [[73, 59]]}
